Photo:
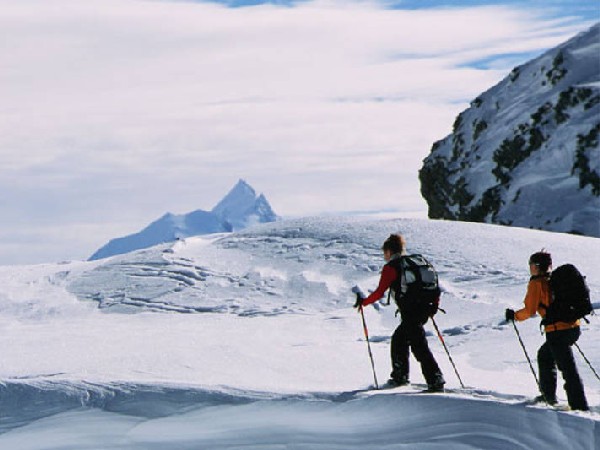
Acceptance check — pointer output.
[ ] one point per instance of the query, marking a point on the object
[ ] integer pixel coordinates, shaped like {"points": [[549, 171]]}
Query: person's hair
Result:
{"points": [[394, 244], [541, 259]]}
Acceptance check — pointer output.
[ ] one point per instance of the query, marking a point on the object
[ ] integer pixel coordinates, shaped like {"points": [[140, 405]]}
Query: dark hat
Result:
{"points": [[541, 259]]}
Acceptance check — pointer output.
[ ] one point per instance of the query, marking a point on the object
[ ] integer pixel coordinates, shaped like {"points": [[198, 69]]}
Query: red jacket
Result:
{"points": [[388, 276]]}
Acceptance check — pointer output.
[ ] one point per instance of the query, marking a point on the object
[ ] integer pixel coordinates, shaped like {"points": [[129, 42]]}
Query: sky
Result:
{"points": [[115, 112]]}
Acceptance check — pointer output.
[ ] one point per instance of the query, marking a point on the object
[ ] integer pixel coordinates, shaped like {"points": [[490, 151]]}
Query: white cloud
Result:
{"points": [[129, 108]]}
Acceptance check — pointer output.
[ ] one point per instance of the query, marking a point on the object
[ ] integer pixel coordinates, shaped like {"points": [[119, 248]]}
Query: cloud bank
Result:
{"points": [[116, 111]]}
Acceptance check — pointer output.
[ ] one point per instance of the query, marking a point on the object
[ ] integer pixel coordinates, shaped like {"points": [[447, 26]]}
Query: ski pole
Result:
{"points": [[529, 361], [447, 352], [368, 345], [587, 361]]}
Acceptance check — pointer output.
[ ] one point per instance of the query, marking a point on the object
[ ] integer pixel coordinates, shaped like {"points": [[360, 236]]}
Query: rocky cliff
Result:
{"points": [[526, 152]]}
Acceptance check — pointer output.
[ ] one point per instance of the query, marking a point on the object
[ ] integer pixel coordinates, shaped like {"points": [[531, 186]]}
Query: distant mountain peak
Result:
{"points": [[239, 209], [241, 188], [241, 195], [243, 185]]}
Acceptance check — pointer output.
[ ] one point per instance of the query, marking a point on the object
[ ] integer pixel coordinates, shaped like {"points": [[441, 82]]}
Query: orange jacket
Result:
{"points": [[537, 300]]}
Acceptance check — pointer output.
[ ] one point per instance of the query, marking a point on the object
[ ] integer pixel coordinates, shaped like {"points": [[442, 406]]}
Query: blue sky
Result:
{"points": [[588, 9], [117, 111]]}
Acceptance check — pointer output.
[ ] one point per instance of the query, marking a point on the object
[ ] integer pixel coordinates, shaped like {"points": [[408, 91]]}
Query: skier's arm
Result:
{"points": [[532, 301], [388, 275]]}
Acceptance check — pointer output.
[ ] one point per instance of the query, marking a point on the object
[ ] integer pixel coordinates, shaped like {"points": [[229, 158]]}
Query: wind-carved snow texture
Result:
{"points": [[290, 269], [283, 270], [249, 339], [181, 418]]}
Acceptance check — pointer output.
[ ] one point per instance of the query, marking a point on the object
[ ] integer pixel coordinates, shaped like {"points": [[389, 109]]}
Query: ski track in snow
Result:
{"points": [[249, 340]]}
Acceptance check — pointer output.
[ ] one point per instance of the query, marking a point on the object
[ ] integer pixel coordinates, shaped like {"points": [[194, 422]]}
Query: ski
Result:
{"points": [[538, 403], [466, 392]]}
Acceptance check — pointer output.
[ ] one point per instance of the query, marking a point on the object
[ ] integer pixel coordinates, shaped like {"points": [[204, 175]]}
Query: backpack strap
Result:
{"points": [[396, 263], [541, 305]]}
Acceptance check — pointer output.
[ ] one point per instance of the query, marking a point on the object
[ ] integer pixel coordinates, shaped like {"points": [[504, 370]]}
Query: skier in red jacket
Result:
{"points": [[410, 334]]}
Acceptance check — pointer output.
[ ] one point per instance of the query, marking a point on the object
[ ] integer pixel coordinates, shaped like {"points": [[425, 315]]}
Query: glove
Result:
{"points": [[509, 314], [359, 301], [359, 296]]}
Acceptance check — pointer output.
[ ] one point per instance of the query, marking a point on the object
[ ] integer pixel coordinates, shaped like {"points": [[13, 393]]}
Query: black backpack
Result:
{"points": [[570, 296], [416, 290]]}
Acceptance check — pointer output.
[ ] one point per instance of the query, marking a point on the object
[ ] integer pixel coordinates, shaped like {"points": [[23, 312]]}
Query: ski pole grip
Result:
{"points": [[358, 302], [358, 291], [359, 296]]}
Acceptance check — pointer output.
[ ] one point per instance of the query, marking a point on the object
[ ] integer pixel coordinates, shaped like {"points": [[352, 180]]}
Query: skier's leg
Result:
{"points": [[547, 369], [420, 348], [560, 345], [399, 354]]}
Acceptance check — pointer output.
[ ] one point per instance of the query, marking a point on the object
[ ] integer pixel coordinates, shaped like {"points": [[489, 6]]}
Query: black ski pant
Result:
{"points": [[557, 352], [410, 335]]}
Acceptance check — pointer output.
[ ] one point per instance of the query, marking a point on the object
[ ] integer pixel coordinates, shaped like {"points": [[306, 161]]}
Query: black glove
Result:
{"points": [[359, 296], [359, 301], [509, 314]]}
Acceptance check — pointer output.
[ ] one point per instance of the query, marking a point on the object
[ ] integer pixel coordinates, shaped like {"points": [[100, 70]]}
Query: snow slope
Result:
{"points": [[248, 340]]}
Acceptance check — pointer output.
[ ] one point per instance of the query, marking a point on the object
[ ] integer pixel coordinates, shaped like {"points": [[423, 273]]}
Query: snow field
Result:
{"points": [[248, 340]]}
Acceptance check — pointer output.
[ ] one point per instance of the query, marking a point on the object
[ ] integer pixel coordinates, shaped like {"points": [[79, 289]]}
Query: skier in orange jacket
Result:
{"points": [[560, 336]]}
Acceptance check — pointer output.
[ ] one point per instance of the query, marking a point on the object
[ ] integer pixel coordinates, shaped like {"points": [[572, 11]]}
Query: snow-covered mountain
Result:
{"points": [[240, 208], [168, 228], [526, 152], [249, 340]]}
